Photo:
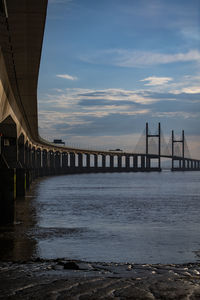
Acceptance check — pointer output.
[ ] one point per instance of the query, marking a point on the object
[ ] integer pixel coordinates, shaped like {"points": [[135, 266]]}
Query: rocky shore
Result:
{"points": [[66, 279]]}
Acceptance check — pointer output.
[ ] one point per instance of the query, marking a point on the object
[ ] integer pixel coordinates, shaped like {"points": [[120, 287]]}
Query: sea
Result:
{"points": [[110, 217]]}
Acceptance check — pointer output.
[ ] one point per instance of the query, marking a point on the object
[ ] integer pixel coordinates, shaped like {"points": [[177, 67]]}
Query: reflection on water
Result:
{"points": [[135, 217], [15, 240]]}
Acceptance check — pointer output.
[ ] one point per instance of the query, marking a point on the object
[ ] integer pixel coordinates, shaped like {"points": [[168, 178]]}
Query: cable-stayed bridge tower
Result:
{"points": [[175, 157], [157, 155]]}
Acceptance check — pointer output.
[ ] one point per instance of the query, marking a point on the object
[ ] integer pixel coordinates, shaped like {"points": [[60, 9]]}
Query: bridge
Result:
{"points": [[24, 155]]}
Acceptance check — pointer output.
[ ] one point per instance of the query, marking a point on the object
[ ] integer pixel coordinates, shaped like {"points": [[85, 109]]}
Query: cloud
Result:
{"points": [[90, 113], [130, 59], [153, 80], [66, 76], [192, 90]]}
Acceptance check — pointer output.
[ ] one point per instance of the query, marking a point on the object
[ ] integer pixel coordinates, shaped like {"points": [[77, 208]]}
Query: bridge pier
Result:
{"points": [[111, 162], [26, 156], [119, 162], [20, 182], [103, 161], [65, 163], [72, 161], [44, 162], [87, 160], [143, 162], [8, 131], [7, 196], [38, 162], [57, 163], [127, 161], [135, 161], [80, 161], [21, 151], [21, 171], [95, 161]]}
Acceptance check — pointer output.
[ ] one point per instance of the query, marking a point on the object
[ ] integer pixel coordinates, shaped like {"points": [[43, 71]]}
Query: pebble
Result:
{"points": [[195, 272]]}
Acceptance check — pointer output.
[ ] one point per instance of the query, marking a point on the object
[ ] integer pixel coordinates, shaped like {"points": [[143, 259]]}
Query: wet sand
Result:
{"points": [[65, 279]]}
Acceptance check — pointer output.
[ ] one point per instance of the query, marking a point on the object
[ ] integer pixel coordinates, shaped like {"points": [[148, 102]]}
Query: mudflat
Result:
{"points": [[67, 279]]}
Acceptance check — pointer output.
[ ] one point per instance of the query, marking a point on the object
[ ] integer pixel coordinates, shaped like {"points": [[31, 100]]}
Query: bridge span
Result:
{"points": [[24, 155]]}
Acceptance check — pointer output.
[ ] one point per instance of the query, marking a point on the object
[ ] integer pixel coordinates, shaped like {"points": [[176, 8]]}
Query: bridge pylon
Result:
{"points": [[157, 155], [174, 157]]}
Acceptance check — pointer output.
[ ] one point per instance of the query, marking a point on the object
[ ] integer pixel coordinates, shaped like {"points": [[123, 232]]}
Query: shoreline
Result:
{"points": [[75, 279]]}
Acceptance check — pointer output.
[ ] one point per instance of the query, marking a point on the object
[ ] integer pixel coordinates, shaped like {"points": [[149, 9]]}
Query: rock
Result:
{"points": [[129, 267], [71, 265], [58, 267], [195, 272]]}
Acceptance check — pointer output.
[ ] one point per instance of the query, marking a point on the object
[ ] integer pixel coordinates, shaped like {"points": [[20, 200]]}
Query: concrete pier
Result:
{"points": [[7, 195]]}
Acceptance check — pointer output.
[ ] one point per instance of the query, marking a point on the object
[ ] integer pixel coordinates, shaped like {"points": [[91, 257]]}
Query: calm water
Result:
{"points": [[134, 217]]}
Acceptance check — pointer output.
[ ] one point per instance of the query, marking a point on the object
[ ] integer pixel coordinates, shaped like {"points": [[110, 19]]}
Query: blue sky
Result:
{"points": [[109, 66]]}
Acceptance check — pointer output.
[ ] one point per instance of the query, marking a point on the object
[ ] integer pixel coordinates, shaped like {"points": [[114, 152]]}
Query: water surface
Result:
{"points": [[134, 217]]}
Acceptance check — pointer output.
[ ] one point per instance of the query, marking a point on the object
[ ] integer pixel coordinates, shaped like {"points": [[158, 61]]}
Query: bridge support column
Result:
{"points": [[33, 163], [95, 161], [111, 162], [20, 171], [29, 173], [33, 158], [103, 161], [143, 162], [148, 162], [135, 161], [29, 157], [8, 133], [38, 158], [87, 160], [20, 182], [183, 163], [80, 160], [72, 161], [28, 178], [127, 162], [57, 162], [7, 196], [119, 162], [21, 151], [44, 162], [38, 162], [65, 164], [51, 160], [26, 155], [180, 163]]}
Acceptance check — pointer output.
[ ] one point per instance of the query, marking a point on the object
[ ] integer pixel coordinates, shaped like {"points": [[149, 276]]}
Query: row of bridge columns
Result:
{"points": [[43, 159], [22, 161]]}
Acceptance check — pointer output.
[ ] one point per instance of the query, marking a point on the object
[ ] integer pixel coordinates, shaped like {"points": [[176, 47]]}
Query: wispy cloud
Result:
{"points": [[153, 80], [129, 58], [67, 76]]}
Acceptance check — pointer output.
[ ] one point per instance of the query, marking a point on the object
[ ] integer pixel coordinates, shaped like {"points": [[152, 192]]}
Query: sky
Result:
{"points": [[110, 66]]}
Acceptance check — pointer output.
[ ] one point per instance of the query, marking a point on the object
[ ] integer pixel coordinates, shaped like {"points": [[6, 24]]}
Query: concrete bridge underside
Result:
{"points": [[24, 155]]}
